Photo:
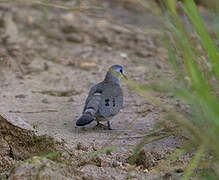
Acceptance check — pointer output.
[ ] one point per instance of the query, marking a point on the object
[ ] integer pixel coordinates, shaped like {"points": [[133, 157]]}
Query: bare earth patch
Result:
{"points": [[46, 70]]}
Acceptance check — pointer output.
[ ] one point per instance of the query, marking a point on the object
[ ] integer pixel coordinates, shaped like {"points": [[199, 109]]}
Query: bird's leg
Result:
{"points": [[99, 124], [108, 125], [103, 126]]}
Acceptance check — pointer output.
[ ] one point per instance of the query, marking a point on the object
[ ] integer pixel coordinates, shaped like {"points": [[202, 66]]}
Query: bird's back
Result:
{"points": [[111, 100], [105, 98]]}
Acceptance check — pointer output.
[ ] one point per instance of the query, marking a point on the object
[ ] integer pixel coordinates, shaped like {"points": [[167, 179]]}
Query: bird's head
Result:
{"points": [[117, 71]]}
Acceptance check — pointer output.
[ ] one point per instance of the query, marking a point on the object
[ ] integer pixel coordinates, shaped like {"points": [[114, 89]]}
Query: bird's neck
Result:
{"points": [[112, 79]]}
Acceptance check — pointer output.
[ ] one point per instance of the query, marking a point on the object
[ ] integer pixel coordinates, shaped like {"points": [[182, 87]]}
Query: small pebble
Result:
{"points": [[20, 96], [45, 101], [116, 164], [81, 146], [145, 170]]}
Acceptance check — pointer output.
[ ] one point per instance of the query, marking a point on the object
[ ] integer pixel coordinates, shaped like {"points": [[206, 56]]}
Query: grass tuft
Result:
{"points": [[193, 85]]}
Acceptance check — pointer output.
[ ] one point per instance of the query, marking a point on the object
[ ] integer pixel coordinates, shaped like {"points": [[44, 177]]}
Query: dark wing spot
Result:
{"points": [[106, 102], [114, 102]]}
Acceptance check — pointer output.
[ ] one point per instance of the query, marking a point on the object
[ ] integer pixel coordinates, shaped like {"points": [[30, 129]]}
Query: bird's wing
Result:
{"points": [[111, 101], [93, 97]]}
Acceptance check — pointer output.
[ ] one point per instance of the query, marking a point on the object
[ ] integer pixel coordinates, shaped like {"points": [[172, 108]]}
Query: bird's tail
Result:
{"points": [[89, 111], [85, 119]]}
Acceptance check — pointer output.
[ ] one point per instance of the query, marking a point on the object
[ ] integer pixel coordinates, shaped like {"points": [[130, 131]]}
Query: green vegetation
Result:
{"points": [[197, 86]]}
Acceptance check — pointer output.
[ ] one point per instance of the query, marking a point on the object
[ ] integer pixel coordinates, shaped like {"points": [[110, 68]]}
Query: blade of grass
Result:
{"points": [[177, 117], [194, 163], [199, 85], [208, 44], [40, 157], [3, 177], [2, 1], [173, 59], [102, 151], [172, 8], [45, 13]]}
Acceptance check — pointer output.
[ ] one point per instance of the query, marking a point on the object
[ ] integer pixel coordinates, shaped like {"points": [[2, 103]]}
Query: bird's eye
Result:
{"points": [[120, 70]]}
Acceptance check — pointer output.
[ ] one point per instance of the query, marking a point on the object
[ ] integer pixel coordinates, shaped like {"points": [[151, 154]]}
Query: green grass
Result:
{"points": [[38, 158], [193, 86]]}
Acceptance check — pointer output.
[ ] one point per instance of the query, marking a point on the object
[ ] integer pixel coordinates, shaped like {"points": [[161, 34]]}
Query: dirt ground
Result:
{"points": [[50, 57]]}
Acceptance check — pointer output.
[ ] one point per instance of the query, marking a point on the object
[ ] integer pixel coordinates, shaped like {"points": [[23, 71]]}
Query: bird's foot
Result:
{"points": [[108, 127], [102, 126]]}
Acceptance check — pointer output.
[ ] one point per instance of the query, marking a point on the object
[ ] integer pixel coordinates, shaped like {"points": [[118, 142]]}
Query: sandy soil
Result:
{"points": [[48, 65]]}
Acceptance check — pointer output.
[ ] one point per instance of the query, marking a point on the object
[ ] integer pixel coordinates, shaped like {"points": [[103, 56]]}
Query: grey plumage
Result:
{"points": [[105, 99]]}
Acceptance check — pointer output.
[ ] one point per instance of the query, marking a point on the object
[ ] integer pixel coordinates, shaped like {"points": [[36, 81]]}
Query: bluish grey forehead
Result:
{"points": [[117, 67]]}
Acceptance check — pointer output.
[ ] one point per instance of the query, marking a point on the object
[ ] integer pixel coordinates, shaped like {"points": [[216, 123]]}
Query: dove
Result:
{"points": [[104, 99]]}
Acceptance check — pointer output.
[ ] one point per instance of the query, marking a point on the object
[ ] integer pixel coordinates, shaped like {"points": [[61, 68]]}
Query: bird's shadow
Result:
{"points": [[94, 128]]}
